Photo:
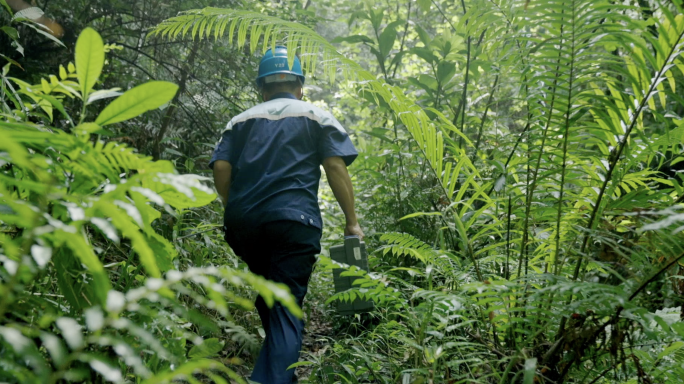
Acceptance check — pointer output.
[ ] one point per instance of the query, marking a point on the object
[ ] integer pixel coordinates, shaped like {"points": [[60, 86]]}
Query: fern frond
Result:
{"points": [[405, 240], [240, 335], [401, 244]]}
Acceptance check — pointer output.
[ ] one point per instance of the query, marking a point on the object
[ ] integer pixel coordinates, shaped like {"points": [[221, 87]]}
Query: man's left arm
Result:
{"points": [[220, 163], [222, 172]]}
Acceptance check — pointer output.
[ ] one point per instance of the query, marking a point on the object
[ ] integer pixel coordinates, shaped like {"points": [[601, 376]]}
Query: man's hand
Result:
{"points": [[354, 230], [341, 185]]}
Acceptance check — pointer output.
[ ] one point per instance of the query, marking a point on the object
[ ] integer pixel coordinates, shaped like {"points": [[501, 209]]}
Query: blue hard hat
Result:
{"points": [[273, 64]]}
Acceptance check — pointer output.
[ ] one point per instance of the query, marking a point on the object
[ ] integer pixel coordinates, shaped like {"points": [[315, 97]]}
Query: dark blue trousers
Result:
{"points": [[284, 252]]}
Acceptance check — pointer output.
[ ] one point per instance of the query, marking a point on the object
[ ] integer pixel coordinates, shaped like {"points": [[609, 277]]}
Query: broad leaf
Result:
{"points": [[301, 364], [4, 4], [11, 32], [76, 293], [445, 71], [137, 101], [530, 368], [104, 94], [85, 254], [417, 214], [57, 104], [386, 40], [181, 191], [209, 347], [32, 13], [424, 5], [424, 53], [89, 59]]}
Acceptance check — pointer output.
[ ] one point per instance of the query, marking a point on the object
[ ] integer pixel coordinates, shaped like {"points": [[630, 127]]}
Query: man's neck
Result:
{"points": [[282, 95]]}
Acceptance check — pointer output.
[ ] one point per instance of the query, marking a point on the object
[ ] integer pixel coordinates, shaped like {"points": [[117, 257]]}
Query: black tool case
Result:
{"points": [[353, 252]]}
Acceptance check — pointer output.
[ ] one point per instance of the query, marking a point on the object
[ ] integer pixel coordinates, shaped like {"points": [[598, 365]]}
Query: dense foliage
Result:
{"points": [[520, 179]]}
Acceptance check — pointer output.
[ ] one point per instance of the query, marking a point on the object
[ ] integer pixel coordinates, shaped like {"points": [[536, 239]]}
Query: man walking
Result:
{"points": [[267, 170]]}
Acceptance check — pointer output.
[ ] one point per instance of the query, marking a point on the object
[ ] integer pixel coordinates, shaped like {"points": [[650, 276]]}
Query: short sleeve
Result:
{"points": [[335, 142], [222, 150]]}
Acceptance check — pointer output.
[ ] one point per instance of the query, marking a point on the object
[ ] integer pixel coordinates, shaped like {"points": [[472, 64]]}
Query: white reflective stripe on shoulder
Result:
{"points": [[283, 108]]}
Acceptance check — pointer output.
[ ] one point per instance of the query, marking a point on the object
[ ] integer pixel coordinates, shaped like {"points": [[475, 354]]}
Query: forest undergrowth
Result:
{"points": [[520, 180]]}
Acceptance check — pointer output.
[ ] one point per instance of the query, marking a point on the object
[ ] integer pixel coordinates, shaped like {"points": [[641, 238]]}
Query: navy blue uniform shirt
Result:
{"points": [[275, 150]]}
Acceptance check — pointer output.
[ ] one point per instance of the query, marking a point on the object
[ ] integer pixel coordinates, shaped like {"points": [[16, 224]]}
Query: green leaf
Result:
{"points": [[92, 128], [4, 4], [108, 371], [55, 346], [137, 101], [500, 183], [386, 41], [301, 364], [425, 54], [13, 62], [164, 252], [188, 369], [671, 349], [424, 5], [679, 328], [427, 82], [181, 191], [74, 291], [129, 229], [89, 59], [104, 94], [11, 32], [43, 30], [396, 60], [85, 254], [530, 368], [423, 35], [665, 326], [57, 104], [31, 13], [375, 18], [416, 214], [445, 71], [209, 347]]}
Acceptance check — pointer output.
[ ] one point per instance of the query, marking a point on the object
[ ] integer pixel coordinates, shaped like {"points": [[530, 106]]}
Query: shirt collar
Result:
{"points": [[283, 95]]}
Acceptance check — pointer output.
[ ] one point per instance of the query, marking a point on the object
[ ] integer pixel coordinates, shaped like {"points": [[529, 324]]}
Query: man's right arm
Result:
{"points": [[340, 183]]}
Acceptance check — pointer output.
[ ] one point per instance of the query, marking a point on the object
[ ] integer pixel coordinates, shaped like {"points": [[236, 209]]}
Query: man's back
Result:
{"points": [[276, 149]]}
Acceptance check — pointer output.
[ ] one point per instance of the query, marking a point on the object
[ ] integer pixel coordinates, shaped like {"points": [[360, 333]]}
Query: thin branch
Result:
{"points": [[444, 15], [655, 275], [510, 155], [484, 118], [151, 76], [403, 38]]}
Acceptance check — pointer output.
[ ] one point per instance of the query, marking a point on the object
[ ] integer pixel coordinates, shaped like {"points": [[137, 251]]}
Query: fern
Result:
{"points": [[405, 244]]}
